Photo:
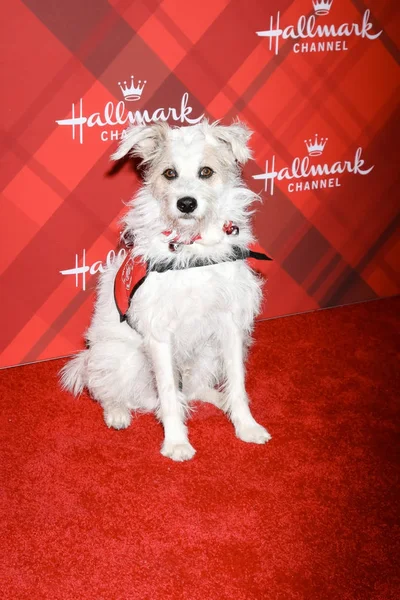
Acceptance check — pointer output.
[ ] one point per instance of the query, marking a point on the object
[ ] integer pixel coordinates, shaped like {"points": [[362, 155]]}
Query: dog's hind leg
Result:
{"points": [[195, 388], [119, 378], [212, 396], [199, 379]]}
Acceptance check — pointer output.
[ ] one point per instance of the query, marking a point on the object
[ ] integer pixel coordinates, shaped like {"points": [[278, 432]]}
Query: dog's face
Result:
{"points": [[188, 168], [187, 177]]}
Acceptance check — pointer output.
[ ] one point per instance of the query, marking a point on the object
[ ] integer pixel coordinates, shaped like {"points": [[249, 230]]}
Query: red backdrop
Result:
{"points": [[318, 82]]}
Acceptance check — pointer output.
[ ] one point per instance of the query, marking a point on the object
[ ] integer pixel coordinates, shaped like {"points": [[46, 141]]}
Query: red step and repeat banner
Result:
{"points": [[317, 81]]}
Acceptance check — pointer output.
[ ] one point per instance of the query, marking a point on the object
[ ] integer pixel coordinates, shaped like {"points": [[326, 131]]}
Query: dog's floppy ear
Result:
{"points": [[142, 140], [236, 136]]}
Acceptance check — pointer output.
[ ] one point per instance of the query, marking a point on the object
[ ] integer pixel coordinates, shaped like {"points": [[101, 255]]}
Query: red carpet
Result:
{"points": [[94, 514]]}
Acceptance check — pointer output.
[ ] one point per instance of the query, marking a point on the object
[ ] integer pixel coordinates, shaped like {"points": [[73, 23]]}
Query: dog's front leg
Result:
{"points": [[237, 403], [171, 410]]}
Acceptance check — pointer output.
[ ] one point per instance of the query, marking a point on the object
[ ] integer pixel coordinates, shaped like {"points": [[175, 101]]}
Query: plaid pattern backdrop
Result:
{"points": [[61, 107]]}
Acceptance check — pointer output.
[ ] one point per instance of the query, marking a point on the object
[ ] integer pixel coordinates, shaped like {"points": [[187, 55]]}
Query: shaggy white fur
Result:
{"points": [[188, 330]]}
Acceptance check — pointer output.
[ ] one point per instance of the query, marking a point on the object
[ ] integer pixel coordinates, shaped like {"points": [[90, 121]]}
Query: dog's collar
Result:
{"points": [[237, 253], [228, 227]]}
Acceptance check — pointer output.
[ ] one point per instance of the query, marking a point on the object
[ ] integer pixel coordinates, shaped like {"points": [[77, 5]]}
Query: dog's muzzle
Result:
{"points": [[187, 204]]}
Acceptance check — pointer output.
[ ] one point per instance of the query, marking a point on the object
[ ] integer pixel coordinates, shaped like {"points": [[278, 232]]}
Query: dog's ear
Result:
{"points": [[142, 141], [236, 136]]}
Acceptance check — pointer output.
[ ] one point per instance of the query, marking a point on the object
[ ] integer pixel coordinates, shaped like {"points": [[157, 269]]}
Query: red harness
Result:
{"points": [[133, 271]]}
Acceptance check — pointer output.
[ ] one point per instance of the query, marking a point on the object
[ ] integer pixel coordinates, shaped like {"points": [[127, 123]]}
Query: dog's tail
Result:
{"points": [[72, 375]]}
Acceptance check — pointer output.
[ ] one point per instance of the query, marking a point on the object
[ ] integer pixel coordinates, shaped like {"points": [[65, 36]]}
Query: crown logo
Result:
{"points": [[322, 7], [132, 93], [315, 147]]}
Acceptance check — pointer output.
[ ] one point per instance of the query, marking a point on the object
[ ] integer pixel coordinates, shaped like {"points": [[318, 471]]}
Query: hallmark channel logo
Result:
{"points": [[132, 93], [115, 115], [322, 7], [304, 175], [81, 269], [315, 147], [313, 37]]}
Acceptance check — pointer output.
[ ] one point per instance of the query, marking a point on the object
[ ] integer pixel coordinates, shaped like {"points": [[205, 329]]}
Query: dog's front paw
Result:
{"points": [[178, 452], [254, 433], [118, 417]]}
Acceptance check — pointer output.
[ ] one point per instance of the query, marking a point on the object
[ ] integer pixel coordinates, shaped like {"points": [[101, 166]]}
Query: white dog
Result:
{"points": [[184, 333]]}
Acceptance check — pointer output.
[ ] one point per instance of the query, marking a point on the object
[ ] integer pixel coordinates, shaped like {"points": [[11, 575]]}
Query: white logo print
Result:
{"points": [[316, 147], [116, 115], [303, 176], [96, 267], [132, 92], [306, 28], [322, 7]]}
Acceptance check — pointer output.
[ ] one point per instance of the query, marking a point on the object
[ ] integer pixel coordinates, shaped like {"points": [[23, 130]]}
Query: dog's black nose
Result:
{"points": [[187, 204]]}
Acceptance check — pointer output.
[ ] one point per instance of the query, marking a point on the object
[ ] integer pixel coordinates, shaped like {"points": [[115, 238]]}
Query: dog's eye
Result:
{"points": [[170, 174], [205, 172]]}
